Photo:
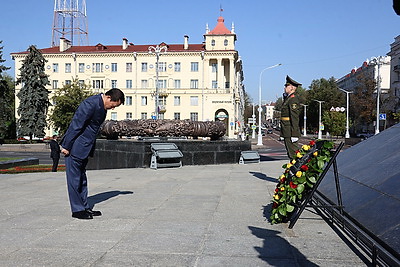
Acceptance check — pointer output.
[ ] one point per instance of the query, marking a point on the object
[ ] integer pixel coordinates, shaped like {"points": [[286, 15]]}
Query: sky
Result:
{"points": [[312, 39]]}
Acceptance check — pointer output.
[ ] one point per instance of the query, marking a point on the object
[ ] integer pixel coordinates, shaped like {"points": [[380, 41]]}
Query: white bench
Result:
{"points": [[165, 155], [249, 157]]}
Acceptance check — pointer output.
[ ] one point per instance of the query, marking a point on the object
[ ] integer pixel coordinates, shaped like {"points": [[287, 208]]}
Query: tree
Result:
{"points": [[363, 108], [322, 90], [6, 100], [33, 96], [248, 107], [334, 122], [67, 100]]}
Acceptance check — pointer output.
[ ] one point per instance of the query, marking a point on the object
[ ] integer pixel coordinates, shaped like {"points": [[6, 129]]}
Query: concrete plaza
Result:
{"points": [[191, 216]]}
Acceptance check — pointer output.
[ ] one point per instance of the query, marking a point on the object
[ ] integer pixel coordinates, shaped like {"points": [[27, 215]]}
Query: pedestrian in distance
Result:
{"points": [[290, 130], [78, 144], [54, 152]]}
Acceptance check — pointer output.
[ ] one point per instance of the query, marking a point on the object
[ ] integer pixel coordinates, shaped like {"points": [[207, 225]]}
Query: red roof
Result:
{"points": [[99, 48], [220, 28]]}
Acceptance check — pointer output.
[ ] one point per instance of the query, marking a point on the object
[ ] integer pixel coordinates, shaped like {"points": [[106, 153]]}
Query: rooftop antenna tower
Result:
{"points": [[70, 22]]}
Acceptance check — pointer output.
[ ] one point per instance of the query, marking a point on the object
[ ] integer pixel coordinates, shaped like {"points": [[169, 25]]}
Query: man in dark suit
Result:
{"points": [[54, 153], [78, 144]]}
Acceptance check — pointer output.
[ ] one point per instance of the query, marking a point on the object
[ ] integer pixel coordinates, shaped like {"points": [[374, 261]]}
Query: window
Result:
{"points": [[98, 84], [55, 67], [162, 83], [177, 116], [194, 116], [225, 42], [114, 67], [214, 84], [114, 84], [194, 66], [97, 67], [162, 100], [143, 115], [144, 67], [177, 84], [144, 100], [67, 67], [114, 116], [129, 115], [129, 84], [144, 84], [194, 84], [129, 67], [81, 83], [177, 100], [177, 66], [81, 67], [213, 43], [161, 116], [128, 101], [194, 100], [162, 66], [68, 82], [55, 84], [214, 67]]}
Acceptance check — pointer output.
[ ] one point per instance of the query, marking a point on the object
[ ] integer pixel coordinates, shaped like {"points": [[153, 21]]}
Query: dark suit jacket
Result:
{"points": [[80, 137], [55, 149]]}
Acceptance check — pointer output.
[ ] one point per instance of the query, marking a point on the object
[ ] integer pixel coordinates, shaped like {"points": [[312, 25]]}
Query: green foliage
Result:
{"points": [[67, 100], [33, 95], [335, 122], [323, 90], [7, 118]]}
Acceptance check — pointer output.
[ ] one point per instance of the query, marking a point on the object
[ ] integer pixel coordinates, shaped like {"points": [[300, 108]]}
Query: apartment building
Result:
{"points": [[200, 82]]}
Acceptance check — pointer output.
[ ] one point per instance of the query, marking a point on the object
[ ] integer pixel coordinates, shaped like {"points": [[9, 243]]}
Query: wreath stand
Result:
{"points": [[305, 203]]}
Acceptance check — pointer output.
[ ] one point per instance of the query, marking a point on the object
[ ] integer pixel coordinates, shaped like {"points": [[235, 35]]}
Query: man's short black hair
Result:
{"points": [[116, 94]]}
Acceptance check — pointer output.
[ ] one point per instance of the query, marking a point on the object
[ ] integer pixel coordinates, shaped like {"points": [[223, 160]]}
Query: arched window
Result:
{"points": [[212, 42], [225, 42]]}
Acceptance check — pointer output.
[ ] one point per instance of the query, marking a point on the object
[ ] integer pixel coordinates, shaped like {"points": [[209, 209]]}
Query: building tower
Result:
{"points": [[70, 22]]}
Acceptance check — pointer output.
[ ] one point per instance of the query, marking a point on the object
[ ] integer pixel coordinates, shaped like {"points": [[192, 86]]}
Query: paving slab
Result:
{"points": [[190, 216]]}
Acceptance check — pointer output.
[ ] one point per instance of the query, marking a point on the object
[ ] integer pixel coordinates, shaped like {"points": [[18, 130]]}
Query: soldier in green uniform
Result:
{"points": [[290, 131]]}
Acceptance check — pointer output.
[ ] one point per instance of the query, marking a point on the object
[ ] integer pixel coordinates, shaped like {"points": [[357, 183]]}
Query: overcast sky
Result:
{"points": [[313, 39]]}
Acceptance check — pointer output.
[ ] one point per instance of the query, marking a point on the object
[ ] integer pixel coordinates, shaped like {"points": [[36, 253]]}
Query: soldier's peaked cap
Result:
{"points": [[291, 81]]}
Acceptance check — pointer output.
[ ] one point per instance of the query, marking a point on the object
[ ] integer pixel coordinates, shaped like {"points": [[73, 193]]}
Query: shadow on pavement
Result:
{"points": [[262, 176], [95, 199], [275, 248]]}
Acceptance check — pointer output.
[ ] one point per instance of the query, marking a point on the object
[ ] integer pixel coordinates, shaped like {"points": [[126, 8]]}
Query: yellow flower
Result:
{"points": [[298, 155], [315, 153], [299, 173], [293, 161], [276, 197], [282, 176], [306, 147], [282, 188], [289, 165]]}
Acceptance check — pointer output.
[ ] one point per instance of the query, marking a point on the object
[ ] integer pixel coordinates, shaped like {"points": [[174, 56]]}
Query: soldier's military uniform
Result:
{"points": [[290, 120]]}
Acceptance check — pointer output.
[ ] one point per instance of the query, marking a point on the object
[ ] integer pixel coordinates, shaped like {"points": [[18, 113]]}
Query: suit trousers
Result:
{"points": [[77, 183], [291, 148], [55, 164]]}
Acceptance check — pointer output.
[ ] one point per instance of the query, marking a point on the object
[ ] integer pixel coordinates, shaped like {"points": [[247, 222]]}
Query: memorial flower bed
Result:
{"points": [[31, 168], [298, 179]]}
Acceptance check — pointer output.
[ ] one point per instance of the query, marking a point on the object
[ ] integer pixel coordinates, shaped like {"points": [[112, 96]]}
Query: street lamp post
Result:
{"points": [[305, 120], [253, 135], [377, 61], [319, 119], [157, 50], [347, 112], [259, 143]]}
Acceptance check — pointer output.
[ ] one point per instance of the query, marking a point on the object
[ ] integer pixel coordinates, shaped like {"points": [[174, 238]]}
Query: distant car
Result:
{"points": [[269, 131]]}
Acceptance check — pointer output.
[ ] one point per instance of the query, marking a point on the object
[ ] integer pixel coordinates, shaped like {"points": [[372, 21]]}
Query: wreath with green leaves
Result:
{"points": [[298, 178]]}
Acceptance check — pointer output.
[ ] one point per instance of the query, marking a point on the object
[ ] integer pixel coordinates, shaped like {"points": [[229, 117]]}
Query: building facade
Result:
{"points": [[395, 70], [200, 82]]}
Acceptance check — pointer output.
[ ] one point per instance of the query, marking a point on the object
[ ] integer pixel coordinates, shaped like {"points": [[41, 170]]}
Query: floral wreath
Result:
{"points": [[299, 178]]}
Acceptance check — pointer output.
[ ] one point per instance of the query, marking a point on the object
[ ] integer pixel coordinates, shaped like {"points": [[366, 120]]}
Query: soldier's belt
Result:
{"points": [[285, 118]]}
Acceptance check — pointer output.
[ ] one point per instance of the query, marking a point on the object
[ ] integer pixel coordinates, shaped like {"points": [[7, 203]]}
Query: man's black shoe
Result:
{"points": [[93, 212], [83, 214]]}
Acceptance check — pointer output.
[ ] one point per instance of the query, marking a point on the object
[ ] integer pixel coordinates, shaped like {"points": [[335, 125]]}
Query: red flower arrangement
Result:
{"points": [[31, 168], [298, 179]]}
